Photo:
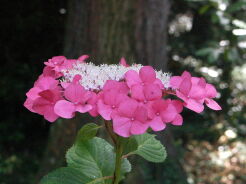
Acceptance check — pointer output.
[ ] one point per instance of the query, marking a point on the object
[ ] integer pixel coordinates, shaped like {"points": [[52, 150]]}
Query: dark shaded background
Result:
{"points": [[201, 39]]}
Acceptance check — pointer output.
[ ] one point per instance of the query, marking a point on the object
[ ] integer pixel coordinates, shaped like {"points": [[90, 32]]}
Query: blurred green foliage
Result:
{"points": [[212, 44]]}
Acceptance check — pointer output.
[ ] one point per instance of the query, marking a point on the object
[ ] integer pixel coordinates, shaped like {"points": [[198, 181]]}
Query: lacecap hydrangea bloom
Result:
{"points": [[134, 97]]}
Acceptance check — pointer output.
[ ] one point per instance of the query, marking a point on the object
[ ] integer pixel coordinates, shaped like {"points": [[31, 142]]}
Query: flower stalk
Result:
{"points": [[118, 160], [118, 150]]}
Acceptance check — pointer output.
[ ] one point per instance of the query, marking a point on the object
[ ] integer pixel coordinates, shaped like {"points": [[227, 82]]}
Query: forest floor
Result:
{"points": [[221, 163]]}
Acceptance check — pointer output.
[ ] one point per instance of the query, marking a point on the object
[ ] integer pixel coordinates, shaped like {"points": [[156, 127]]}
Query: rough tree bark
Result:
{"points": [[108, 30]]}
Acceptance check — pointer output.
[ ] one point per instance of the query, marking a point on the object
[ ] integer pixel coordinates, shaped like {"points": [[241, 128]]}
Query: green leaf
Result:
{"points": [[88, 131], [147, 147], [212, 53], [65, 175], [236, 6], [95, 158], [68, 175], [204, 9]]}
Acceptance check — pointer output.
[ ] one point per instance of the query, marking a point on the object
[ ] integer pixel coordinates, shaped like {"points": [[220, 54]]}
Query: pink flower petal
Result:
{"points": [[195, 80], [159, 105], [152, 92], [64, 109], [178, 121], [210, 91], [157, 124], [194, 105], [186, 74], [110, 84], [120, 98], [104, 110], [138, 128], [83, 108], [46, 83], [67, 64], [132, 78], [93, 112], [48, 95], [128, 108], [185, 86], [74, 92], [28, 104], [123, 62], [137, 92], [169, 113], [181, 96], [76, 78], [50, 115], [110, 97], [121, 87], [175, 81], [65, 84], [49, 72], [159, 83], [33, 93], [147, 74], [202, 82], [93, 101], [178, 105], [40, 105], [58, 59], [83, 58], [197, 92], [141, 114], [212, 104], [121, 126]]}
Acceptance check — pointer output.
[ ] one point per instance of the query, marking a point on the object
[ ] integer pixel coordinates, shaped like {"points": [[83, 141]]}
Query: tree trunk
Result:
{"points": [[108, 30]]}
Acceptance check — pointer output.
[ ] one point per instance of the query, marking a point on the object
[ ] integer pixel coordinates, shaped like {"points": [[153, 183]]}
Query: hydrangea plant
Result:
{"points": [[132, 101]]}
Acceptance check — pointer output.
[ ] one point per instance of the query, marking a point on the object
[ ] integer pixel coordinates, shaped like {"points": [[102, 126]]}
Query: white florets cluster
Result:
{"points": [[94, 77]]}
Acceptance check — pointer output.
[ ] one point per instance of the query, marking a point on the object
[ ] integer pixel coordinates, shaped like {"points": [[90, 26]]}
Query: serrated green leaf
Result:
{"points": [[69, 175], [65, 175], [88, 131], [148, 147], [95, 158]]}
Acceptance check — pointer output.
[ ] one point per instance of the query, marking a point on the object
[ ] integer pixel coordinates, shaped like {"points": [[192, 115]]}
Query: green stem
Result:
{"points": [[109, 129], [119, 150]]}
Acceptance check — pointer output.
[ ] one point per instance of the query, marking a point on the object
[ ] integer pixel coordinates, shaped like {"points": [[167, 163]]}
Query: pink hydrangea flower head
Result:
{"points": [[165, 111], [121, 87], [146, 93], [44, 104], [83, 58], [110, 97], [211, 93], [172, 112], [68, 63], [42, 84], [144, 86], [77, 100], [146, 76], [59, 63], [194, 92], [49, 72], [56, 62], [123, 62], [93, 102], [130, 119]]}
